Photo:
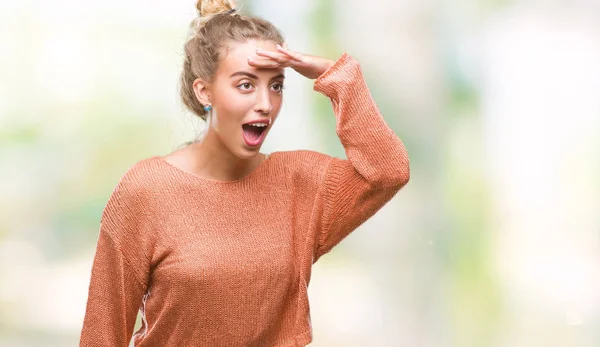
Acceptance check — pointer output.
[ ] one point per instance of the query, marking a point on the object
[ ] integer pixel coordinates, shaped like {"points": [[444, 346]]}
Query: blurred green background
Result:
{"points": [[494, 242]]}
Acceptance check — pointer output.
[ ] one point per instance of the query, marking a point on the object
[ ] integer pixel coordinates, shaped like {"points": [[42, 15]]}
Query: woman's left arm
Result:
{"points": [[377, 167]]}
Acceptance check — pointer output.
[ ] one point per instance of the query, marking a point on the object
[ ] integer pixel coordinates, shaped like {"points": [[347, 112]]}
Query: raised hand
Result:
{"points": [[309, 66]]}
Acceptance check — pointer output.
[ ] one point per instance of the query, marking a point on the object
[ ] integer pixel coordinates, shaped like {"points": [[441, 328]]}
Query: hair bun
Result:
{"points": [[210, 7]]}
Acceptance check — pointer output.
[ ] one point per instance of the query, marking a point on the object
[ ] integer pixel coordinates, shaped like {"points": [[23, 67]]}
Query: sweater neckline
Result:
{"points": [[189, 175]]}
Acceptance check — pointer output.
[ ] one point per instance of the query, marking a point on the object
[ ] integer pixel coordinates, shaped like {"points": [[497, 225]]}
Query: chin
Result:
{"points": [[247, 153]]}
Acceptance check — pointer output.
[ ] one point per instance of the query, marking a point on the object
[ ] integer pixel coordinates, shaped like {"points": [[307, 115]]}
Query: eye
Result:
{"points": [[245, 84], [279, 88]]}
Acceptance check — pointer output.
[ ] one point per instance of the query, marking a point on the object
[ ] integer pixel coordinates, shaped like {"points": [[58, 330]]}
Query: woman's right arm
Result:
{"points": [[119, 272]]}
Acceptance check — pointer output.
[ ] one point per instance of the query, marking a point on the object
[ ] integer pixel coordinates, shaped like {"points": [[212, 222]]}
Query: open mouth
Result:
{"points": [[254, 133]]}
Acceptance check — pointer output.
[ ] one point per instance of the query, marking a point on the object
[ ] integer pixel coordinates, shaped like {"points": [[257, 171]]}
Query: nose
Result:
{"points": [[263, 102]]}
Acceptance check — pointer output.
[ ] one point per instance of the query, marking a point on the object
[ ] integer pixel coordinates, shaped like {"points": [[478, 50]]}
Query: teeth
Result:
{"points": [[259, 125]]}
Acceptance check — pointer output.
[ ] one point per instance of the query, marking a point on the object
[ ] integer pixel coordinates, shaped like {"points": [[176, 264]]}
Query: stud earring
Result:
{"points": [[207, 108]]}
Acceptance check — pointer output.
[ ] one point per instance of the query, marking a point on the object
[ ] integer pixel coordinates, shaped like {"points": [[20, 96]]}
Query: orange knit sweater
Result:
{"points": [[228, 263]]}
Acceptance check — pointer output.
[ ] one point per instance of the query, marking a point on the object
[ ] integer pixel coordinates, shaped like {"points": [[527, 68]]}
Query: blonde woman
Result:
{"points": [[213, 244]]}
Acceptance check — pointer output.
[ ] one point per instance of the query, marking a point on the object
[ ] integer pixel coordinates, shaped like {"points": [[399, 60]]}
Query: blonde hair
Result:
{"points": [[215, 27]]}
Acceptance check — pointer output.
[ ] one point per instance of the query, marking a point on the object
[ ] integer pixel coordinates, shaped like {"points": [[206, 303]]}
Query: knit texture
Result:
{"points": [[228, 263]]}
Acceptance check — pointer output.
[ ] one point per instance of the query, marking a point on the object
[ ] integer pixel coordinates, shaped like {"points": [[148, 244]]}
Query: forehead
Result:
{"points": [[237, 54]]}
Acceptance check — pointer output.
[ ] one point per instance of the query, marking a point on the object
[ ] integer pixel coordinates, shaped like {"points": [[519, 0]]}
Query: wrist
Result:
{"points": [[327, 63]]}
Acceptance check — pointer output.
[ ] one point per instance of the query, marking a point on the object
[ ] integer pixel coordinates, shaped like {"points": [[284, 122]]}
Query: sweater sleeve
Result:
{"points": [[377, 167], [119, 272]]}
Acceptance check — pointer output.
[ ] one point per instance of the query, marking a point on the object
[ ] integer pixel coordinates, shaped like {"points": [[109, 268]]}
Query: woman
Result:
{"points": [[214, 242]]}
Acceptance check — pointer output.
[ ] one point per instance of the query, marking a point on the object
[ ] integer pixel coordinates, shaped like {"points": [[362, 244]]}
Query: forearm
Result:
{"points": [[372, 147]]}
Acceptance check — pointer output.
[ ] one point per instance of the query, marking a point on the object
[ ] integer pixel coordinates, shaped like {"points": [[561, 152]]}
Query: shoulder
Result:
{"points": [[134, 188], [305, 158], [138, 178], [306, 165], [129, 213]]}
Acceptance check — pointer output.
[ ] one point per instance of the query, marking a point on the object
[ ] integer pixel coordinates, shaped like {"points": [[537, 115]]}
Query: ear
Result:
{"points": [[201, 89]]}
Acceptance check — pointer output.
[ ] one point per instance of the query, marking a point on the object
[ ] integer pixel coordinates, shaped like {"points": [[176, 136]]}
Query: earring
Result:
{"points": [[207, 108]]}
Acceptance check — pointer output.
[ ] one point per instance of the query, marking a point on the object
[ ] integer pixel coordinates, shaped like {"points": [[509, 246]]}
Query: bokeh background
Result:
{"points": [[494, 242]]}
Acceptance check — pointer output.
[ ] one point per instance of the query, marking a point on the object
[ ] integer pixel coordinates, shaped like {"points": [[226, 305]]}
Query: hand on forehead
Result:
{"points": [[238, 54]]}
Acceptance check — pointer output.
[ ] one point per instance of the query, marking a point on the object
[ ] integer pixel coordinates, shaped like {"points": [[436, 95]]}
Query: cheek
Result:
{"points": [[232, 106], [277, 103], [234, 103], [232, 110]]}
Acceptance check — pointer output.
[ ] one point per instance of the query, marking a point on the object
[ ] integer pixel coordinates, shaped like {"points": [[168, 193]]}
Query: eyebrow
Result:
{"points": [[245, 73]]}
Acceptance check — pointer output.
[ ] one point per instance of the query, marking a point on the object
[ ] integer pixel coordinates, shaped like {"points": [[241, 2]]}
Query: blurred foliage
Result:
{"points": [[322, 27]]}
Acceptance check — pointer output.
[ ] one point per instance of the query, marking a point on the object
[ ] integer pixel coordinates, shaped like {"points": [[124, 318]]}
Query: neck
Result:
{"points": [[210, 158]]}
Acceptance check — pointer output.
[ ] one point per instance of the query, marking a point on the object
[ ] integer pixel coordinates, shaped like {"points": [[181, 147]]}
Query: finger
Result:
{"points": [[272, 55], [294, 55], [262, 60], [264, 63]]}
